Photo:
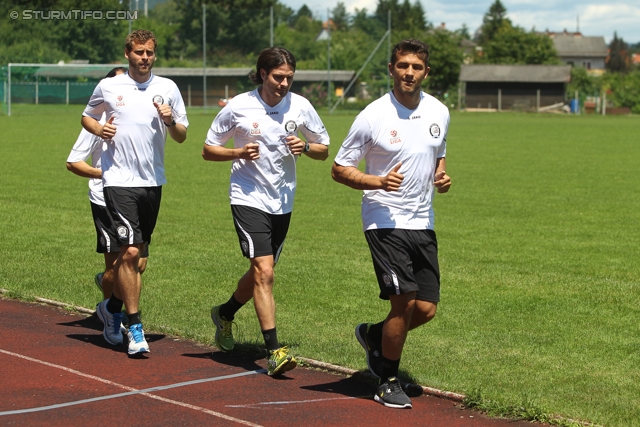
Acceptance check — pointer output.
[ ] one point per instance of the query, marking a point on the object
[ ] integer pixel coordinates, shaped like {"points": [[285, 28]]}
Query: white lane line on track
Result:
{"points": [[131, 391], [287, 402]]}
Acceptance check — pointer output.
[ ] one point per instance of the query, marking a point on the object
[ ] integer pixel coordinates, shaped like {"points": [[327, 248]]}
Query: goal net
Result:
{"points": [[37, 84]]}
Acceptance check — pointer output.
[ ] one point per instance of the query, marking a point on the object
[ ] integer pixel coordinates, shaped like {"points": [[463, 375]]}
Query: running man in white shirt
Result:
{"points": [[90, 146], [141, 109], [264, 125], [402, 138]]}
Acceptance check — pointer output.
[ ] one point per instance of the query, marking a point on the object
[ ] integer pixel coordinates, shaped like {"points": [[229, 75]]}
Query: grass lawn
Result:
{"points": [[538, 246]]}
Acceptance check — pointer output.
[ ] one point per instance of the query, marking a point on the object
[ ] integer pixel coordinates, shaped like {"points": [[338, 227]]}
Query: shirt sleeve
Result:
{"points": [[178, 108], [313, 129], [442, 150], [356, 144], [83, 148], [223, 128], [96, 106]]}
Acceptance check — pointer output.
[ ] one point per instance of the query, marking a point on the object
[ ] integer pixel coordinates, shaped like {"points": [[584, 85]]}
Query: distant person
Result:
{"points": [[402, 138], [90, 146], [141, 109], [264, 125]]}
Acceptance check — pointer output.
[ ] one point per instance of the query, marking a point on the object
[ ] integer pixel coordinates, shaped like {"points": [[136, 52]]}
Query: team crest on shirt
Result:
{"points": [[434, 130], [256, 130], [394, 137], [290, 126], [158, 99], [123, 232], [119, 102]]}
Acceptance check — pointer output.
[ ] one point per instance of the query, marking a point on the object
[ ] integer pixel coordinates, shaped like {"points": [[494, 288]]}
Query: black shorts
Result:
{"points": [[260, 233], [107, 241], [134, 211], [405, 261]]}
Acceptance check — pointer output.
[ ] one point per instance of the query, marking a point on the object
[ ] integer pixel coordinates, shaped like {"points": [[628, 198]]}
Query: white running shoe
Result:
{"points": [[137, 342]]}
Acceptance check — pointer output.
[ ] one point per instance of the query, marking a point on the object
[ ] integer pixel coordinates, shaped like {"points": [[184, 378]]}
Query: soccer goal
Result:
{"points": [[50, 83]]}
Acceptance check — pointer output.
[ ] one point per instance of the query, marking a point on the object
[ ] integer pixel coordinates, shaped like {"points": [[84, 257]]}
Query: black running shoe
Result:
{"points": [[391, 395], [374, 354], [411, 389]]}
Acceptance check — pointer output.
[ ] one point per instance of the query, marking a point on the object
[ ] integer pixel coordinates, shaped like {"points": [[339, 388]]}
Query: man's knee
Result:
{"points": [[130, 254], [424, 312], [403, 305], [263, 271]]}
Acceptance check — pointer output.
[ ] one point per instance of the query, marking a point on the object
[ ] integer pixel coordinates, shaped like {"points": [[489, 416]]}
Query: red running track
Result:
{"points": [[56, 369]]}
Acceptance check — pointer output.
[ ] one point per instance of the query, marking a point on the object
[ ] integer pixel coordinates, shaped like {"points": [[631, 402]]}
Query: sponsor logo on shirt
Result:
{"points": [[434, 130], [255, 130], [119, 102], [394, 139], [271, 113], [414, 117]]}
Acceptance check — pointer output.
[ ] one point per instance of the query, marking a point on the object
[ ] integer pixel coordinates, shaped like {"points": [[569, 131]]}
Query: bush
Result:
{"points": [[316, 93]]}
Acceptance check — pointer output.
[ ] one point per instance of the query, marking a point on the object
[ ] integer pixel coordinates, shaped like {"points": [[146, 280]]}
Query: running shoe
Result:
{"points": [[412, 389], [137, 343], [374, 353], [391, 395], [98, 280], [224, 334], [112, 323], [280, 361]]}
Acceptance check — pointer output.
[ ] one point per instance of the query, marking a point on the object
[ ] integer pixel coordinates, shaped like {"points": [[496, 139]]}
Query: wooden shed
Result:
{"points": [[513, 87], [223, 82]]}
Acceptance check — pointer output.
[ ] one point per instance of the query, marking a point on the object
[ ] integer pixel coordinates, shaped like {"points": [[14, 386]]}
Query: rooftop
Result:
{"points": [[516, 73]]}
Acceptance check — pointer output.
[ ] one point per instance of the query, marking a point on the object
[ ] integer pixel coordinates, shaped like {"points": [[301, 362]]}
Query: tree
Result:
{"points": [[362, 21], [493, 20], [340, 17], [445, 58], [514, 45], [625, 89], [405, 17], [463, 32], [303, 13], [618, 60], [36, 40]]}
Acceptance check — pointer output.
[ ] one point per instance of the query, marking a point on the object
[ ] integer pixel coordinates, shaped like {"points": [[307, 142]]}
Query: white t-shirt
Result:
{"points": [[269, 183], [135, 155], [386, 133], [89, 145]]}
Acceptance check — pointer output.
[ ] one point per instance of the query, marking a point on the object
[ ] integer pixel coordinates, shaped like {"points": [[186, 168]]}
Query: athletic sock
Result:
{"points": [[389, 368], [114, 305], [375, 334], [134, 318], [229, 309], [271, 339]]}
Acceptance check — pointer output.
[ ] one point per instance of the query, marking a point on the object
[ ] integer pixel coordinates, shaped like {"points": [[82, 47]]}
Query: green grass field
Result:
{"points": [[538, 245]]}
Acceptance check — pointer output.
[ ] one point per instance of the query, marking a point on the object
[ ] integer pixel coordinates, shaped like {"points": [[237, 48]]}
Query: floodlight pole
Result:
{"points": [[9, 92], [389, 48], [204, 56], [328, 59]]}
